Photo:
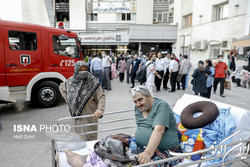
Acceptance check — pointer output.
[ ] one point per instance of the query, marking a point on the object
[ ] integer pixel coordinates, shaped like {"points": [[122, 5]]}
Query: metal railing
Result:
{"points": [[101, 123]]}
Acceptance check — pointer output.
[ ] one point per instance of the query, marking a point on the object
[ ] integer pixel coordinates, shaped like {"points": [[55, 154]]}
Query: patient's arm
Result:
{"points": [[153, 143]]}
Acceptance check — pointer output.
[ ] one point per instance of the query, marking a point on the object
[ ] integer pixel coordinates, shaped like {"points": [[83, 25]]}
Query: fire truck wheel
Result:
{"points": [[48, 94]]}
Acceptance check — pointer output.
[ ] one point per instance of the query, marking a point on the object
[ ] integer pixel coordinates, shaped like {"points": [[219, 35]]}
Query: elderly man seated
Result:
{"points": [[156, 124]]}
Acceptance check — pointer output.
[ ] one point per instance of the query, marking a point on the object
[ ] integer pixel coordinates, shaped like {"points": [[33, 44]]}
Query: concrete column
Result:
{"points": [[247, 29], [139, 48], [35, 12], [77, 14]]}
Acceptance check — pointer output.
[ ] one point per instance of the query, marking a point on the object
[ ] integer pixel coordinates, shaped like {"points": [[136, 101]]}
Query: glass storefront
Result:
{"points": [[127, 49]]}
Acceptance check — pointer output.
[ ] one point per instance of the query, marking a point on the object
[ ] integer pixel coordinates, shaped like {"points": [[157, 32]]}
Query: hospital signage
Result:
{"points": [[111, 7], [104, 38]]}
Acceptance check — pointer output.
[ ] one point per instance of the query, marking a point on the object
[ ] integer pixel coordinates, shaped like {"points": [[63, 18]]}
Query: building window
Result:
{"points": [[171, 16], [92, 16], [66, 47], [160, 16], [187, 21], [118, 37], [214, 51], [161, 0], [125, 17], [19, 40], [220, 11], [62, 12], [62, 1]]}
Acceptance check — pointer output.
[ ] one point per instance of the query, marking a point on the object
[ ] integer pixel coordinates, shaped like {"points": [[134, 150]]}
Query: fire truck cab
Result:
{"points": [[34, 60]]}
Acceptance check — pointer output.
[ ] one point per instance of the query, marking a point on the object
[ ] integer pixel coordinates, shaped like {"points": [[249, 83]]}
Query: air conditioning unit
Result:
{"points": [[225, 43], [203, 45], [197, 45], [193, 47], [200, 45]]}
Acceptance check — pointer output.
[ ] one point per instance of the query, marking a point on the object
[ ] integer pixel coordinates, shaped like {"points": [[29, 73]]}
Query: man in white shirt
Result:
{"points": [[160, 67], [151, 73], [185, 66], [173, 72], [96, 68], [106, 71], [166, 74]]}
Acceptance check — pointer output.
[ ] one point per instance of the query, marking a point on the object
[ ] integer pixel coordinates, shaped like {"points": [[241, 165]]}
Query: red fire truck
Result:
{"points": [[34, 60]]}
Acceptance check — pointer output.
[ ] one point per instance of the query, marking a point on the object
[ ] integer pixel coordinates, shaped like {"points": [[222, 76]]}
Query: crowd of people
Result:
{"points": [[162, 69]]}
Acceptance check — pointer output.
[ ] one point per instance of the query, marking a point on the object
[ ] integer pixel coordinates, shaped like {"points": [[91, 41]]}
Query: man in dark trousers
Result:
{"points": [[160, 67], [133, 68], [129, 60], [166, 74], [220, 74], [173, 72]]}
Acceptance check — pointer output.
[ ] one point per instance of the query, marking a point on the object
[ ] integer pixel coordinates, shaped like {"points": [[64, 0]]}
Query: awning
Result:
{"points": [[242, 42]]}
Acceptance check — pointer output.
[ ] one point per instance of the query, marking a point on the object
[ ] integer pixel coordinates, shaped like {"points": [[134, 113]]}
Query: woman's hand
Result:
{"points": [[143, 157], [97, 114]]}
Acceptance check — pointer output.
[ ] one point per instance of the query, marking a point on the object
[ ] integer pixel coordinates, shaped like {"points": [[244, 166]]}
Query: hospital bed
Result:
{"points": [[239, 155]]}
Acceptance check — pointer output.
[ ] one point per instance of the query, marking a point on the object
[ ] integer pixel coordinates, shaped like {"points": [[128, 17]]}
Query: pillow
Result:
{"points": [[209, 113]]}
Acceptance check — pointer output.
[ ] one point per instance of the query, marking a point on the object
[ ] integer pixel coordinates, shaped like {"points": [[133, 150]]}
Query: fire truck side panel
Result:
{"points": [[24, 59], [46, 50], [34, 60], [2, 65], [60, 61]]}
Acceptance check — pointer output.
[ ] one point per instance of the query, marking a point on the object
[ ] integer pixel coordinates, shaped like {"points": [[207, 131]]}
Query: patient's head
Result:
{"points": [[142, 98]]}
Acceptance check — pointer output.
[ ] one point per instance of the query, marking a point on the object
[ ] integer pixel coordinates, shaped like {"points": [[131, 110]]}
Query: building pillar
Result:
{"points": [[139, 48], [247, 29], [77, 14]]}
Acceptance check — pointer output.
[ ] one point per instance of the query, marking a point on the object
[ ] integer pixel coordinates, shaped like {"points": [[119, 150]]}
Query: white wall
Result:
{"points": [[77, 14], [11, 10], [247, 27], [35, 12], [186, 7], [203, 28], [202, 12], [106, 18], [144, 11]]}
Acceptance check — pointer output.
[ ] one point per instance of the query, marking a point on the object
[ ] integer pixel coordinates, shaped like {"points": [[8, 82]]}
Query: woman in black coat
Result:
{"points": [[199, 79]]}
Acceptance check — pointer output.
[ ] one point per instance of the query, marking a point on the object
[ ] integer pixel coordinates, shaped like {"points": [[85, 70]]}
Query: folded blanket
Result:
{"points": [[221, 128]]}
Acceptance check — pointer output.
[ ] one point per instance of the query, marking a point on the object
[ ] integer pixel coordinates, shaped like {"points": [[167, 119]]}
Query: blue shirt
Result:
{"points": [[135, 65], [210, 77], [96, 64]]}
